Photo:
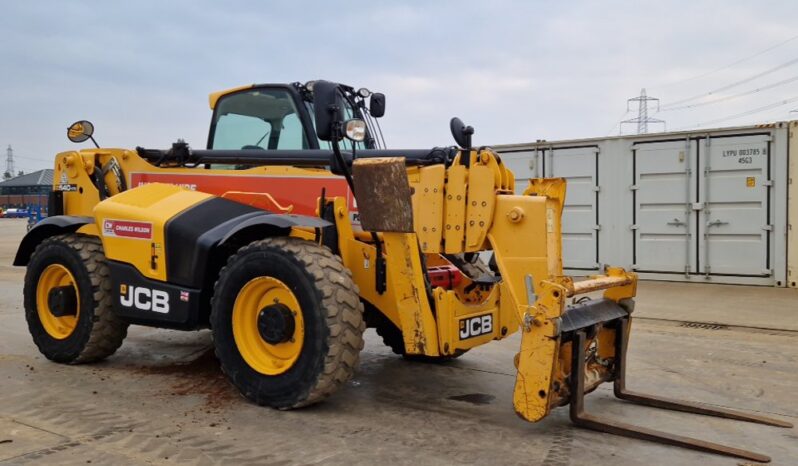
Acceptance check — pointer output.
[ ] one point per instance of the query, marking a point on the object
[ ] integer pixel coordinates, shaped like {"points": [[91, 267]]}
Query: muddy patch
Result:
{"points": [[200, 376]]}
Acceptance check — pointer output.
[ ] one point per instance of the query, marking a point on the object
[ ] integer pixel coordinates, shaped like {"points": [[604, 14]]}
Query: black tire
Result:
{"points": [[332, 313], [392, 338], [98, 332]]}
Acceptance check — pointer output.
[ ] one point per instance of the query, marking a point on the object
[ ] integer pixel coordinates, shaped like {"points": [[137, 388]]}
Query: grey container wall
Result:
{"points": [[707, 206]]}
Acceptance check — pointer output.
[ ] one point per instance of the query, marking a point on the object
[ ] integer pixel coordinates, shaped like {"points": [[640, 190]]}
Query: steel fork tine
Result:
{"points": [[589, 421], [654, 401]]}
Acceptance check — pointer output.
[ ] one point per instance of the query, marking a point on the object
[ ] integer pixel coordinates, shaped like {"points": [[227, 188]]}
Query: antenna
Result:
{"points": [[642, 119], [10, 161]]}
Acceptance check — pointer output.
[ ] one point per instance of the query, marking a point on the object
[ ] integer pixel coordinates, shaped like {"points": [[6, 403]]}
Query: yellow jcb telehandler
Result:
{"points": [[296, 228]]}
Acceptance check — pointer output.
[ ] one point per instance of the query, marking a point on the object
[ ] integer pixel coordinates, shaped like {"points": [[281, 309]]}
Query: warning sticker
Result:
{"points": [[127, 229], [750, 181]]}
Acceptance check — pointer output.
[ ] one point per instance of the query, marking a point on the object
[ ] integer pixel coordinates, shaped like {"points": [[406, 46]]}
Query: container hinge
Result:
{"points": [[633, 227], [597, 227], [634, 187], [769, 138], [596, 189], [768, 272], [767, 183], [768, 227]]}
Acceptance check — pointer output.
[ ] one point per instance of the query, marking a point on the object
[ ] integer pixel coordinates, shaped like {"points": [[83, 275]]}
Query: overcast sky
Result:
{"points": [[516, 71]]}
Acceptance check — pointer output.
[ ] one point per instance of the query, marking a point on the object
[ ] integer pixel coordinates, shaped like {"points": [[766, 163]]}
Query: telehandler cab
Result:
{"points": [[296, 228]]}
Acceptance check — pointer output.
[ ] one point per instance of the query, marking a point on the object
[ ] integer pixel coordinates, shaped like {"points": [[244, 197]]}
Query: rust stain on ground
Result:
{"points": [[200, 376]]}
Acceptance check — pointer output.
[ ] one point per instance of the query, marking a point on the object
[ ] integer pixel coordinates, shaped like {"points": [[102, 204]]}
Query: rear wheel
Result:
{"points": [[287, 322], [68, 302]]}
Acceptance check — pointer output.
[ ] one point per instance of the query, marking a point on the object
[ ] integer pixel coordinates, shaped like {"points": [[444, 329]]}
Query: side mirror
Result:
{"points": [[328, 109], [377, 105], [80, 131], [461, 133]]}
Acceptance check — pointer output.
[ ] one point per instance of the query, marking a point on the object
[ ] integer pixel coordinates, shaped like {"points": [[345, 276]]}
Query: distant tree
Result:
{"points": [[20, 173], [6, 176]]}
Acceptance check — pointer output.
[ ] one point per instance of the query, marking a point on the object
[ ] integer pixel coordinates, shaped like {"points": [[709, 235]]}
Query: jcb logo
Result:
{"points": [[144, 299], [476, 326]]}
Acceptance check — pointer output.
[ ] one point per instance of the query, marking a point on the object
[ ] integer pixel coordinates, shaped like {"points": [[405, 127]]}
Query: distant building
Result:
{"points": [[27, 190]]}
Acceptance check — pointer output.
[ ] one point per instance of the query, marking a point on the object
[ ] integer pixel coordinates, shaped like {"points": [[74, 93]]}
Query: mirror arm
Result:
{"points": [[344, 167], [465, 158]]}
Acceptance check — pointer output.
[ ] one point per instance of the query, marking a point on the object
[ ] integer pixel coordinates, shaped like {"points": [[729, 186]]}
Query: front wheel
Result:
{"points": [[287, 322], [68, 301]]}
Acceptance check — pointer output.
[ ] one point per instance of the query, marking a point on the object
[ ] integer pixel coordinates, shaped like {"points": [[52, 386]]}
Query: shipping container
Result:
{"points": [[792, 202], [700, 206]]}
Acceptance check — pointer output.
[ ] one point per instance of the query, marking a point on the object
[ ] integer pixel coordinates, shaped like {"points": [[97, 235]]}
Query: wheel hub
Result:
{"points": [[63, 301], [276, 324]]}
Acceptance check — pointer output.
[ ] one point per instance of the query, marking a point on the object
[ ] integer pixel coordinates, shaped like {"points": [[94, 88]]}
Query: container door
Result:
{"points": [[663, 194], [524, 165], [580, 228], [734, 225]]}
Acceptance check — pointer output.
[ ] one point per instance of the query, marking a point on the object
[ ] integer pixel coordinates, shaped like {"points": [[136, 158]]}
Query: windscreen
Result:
{"points": [[258, 119]]}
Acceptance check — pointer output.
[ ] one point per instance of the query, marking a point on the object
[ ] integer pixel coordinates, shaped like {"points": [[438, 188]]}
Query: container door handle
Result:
{"points": [[716, 223], [676, 222]]}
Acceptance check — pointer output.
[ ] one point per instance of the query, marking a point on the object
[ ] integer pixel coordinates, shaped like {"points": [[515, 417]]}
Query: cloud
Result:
{"points": [[517, 71]]}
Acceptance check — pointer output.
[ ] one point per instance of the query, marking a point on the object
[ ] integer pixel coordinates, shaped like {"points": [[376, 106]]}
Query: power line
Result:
{"points": [[617, 122], [34, 158], [642, 119], [742, 114], [734, 96], [734, 84], [761, 52]]}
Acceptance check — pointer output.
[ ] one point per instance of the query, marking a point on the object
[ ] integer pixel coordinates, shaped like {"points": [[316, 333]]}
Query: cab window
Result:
{"points": [[258, 119], [344, 144]]}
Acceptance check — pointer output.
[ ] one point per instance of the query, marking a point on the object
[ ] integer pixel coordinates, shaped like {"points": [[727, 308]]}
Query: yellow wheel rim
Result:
{"points": [[254, 297], [54, 276]]}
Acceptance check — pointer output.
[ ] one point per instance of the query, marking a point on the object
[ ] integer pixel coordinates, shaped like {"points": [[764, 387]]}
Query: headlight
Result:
{"points": [[363, 92], [356, 129]]}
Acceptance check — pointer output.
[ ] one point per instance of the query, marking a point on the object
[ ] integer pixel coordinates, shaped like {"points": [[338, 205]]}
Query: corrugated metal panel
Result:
{"points": [[734, 228], [792, 242], [707, 206], [37, 178], [580, 227], [664, 239]]}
